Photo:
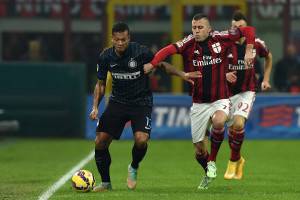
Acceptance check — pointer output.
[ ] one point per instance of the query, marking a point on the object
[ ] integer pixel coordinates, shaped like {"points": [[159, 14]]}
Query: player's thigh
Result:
{"points": [[140, 117], [241, 105], [200, 121], [113, 120]]}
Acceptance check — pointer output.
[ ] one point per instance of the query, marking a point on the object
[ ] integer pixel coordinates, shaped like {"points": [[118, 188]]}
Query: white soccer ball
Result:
{"points": [[83, 180]]}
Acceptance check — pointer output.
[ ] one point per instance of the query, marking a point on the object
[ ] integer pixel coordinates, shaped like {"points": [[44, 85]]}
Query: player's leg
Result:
{"points": [[200, 116], [103, 160], [241, 108], [141, 126], [201, 153], [218, 120], [235, 138], [109, 127]]}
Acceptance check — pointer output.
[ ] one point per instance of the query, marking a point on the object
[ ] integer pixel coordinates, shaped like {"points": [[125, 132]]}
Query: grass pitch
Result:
{"points": [[29, 166]]}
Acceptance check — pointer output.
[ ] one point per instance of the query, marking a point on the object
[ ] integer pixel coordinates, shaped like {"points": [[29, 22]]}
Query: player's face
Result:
{"points": [[237, 24], [200, 29], [120, 41]]}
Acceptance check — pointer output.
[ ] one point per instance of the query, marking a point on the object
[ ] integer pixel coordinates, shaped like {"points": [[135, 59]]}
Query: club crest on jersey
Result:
{"points": [[216, 47], [132, 63]]}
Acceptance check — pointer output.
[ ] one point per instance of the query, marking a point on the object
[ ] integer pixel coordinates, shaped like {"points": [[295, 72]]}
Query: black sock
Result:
{"points": [[202, 160], [103, 160], [138, 155]]}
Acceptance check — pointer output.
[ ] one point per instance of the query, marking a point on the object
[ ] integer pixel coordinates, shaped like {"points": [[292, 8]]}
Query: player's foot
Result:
{"points": [[103, 187], [204, 183], [231, 170], [211, 169], [132, 177], [239, 169]]}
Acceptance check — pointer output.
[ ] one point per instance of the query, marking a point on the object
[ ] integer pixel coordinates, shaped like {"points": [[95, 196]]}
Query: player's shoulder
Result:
{"points": [[105, 52], [138, 48], [186, 41]]}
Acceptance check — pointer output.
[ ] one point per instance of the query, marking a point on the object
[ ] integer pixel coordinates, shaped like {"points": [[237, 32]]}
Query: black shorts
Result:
{"points": [[116, 115]]}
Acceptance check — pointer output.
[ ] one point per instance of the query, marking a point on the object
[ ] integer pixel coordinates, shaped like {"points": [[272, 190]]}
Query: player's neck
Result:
{"points": [[119, 53]]}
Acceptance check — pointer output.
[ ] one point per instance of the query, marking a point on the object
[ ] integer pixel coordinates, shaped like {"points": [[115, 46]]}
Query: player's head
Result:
{"points": [[200, 27], [120, 36], [238, 20]]}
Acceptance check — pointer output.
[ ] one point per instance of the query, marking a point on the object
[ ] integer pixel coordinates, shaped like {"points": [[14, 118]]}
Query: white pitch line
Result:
{"points": [[53, 188]]}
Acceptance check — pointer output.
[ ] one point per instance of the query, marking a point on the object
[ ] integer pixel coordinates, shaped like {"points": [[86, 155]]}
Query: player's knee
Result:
{"points": [[141, 140], [219, 119], [239, 123], [101, 143]]}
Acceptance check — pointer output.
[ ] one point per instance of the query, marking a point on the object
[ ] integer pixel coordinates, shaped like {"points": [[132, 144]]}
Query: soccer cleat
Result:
{"points": [[211, 169], [239, 169], [131, 178], [103, 187], [204, 183], [231, 170]]}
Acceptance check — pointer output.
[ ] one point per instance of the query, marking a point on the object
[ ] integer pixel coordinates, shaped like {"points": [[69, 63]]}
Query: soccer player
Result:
{"points": [[131, 100], [206, 50], [242, 87]]}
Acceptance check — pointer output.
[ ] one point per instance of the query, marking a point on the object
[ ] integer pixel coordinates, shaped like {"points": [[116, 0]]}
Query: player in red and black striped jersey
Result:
{"points": [[206, 51], [242, 86]]}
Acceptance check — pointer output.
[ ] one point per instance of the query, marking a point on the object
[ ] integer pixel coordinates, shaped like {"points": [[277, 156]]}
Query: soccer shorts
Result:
{"points": [[241, 104], [116, 115], [201, 117]]}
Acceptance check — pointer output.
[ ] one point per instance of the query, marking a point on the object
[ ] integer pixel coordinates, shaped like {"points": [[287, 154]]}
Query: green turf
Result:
{"points": [[169, 171]]}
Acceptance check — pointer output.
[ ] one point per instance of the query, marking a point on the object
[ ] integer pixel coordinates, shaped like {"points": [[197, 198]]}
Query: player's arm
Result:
{"points": [[99, 92], [160, 56], [265, 85], [187, 76]]}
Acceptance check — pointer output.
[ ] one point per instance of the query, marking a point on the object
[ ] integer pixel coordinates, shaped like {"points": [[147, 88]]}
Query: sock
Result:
{"points": [[202, 160], [103, 160], [235, 139], [216, 138], [138, 155]]}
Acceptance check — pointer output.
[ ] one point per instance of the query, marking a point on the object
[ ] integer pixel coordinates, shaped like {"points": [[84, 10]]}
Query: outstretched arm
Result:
{"points": [[265, 85], [160, 56], [189, 76], [98, 95]]}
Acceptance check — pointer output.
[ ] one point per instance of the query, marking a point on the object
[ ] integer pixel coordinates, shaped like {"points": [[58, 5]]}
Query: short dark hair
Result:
{"points": [[199, 16], [120, 27], [238, 15]]}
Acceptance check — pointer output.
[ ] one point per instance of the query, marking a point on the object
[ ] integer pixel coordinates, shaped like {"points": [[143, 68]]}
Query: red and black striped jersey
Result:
{"points": [[246, 80], [210, 58]]}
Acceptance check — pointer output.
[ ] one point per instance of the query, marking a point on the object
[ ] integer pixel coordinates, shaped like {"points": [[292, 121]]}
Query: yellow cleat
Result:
{"points": [[239, 169], [231, 170]]}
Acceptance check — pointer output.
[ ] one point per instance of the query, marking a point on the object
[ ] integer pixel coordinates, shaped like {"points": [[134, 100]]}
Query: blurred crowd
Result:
{"points": [[86, 47]]}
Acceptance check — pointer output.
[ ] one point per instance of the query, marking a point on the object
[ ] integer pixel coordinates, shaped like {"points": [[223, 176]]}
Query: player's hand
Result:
{"points": [[249, 56], [148, 68], [94, 114], [189, 76], [265, 85], [231, 77]]}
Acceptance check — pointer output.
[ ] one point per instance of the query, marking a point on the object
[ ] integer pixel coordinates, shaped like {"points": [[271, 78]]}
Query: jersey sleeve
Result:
{"points": [[102, 67], [234, 34], [261, 48], [182, 44], [229, 35]]}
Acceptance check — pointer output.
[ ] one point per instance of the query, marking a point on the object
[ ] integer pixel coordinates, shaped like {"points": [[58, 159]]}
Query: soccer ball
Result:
{"points": [[83, 180]]}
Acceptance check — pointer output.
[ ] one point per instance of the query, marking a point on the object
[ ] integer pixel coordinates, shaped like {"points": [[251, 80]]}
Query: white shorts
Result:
{"points": [[201, 114], [241, 104]]}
